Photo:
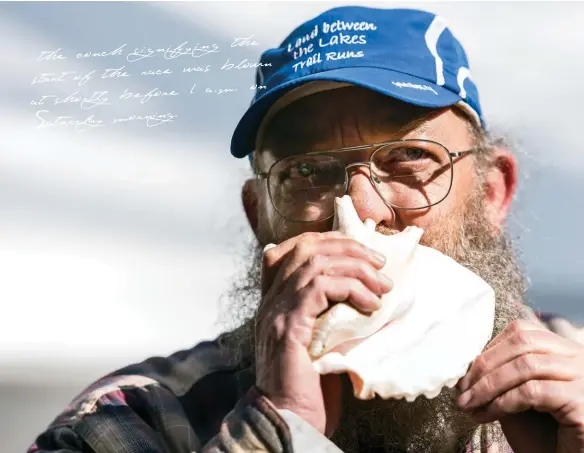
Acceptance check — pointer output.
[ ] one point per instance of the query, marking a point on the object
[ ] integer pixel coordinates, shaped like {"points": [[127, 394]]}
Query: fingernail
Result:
{"points": [[465, 398], [385, 281], [377, 303], [379, 257], [462, 383]]}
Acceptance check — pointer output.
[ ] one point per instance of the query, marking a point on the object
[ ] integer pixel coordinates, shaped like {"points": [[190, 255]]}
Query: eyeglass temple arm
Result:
{"points": [[463, 153]]}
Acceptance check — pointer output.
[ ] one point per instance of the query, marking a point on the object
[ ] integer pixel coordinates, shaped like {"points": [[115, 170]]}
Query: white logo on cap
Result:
{"points": [[415, 86], [432, 35], [463, 74]]}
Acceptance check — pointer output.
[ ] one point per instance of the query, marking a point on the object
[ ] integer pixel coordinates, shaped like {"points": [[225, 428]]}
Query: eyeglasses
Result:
{"points": [[407, 175]]}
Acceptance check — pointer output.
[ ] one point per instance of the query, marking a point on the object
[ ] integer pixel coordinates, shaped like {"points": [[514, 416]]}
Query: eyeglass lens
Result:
{"points": [[411, 174]]}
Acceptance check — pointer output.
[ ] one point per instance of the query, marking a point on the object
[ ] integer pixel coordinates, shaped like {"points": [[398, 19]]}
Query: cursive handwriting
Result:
{"points": [[79, 125], [82, 79], [79, 77], [243, 64], [51, 55], [240, 42], [197, 69], [220, 90], [144, 98], [51, 77], [140, 54], [114, 73], [115, 52], [151, 120], [85, 89], [85, 103], [171, 53], [196, 52], [157, 72]]}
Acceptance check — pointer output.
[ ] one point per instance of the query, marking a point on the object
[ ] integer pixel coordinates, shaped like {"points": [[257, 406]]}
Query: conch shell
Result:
{"points": [[433, 323]]}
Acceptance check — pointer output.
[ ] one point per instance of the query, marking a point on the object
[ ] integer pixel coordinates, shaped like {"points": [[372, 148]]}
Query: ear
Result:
{"points": [[501, 184], [250, 200]]}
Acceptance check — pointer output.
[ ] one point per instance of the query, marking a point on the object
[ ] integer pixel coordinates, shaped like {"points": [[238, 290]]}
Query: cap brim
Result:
{"points": [[376, 79]]}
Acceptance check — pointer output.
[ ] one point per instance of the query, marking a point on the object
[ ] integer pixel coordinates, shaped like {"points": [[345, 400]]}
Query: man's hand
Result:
{"points": [[532, 381], [300, 277]]}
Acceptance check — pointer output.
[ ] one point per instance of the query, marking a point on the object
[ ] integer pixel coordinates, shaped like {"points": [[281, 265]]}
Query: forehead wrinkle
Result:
{"points": [[349, 128], [309, 141], [305, 128], [298, 134], [299, 127], [314, 128], [416, 129], [419, 125]]}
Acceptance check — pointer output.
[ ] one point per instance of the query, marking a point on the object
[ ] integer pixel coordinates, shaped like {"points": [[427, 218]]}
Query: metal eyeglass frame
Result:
{"points": [[380, 145]]}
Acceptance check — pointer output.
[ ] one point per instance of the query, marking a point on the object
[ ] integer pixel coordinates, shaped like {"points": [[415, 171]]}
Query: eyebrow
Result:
{"points": [[312, 128]]}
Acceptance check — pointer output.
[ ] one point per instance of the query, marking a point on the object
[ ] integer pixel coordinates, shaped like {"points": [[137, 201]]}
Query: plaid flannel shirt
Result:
{"points": [[201, 400]]}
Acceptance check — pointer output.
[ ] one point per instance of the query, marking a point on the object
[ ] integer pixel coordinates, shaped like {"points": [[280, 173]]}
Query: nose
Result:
{"points": [[367, 202]]}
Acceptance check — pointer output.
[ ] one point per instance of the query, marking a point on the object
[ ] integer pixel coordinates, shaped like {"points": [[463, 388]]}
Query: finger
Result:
{"points": [[540, 395], [341, 266], [274, 256], [306, 304], [512, 328], [329, 246], [315, 297], [513, 374], [521, 341]]}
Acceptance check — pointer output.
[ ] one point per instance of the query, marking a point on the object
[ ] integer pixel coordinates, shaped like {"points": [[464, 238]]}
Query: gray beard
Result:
{"points": [[425, 425]]}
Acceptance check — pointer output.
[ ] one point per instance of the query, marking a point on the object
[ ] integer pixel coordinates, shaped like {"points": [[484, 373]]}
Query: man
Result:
{"points": [[380, 105]]}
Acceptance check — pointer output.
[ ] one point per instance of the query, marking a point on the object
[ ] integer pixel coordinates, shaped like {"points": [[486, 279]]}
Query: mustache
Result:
{"points": [[385, 230]]}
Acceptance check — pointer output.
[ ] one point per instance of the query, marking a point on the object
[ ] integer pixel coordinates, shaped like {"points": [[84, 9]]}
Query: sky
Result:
{"points": [[118, 242]]}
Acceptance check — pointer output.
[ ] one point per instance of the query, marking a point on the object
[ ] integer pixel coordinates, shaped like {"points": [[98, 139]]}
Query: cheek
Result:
{"points": [[463, 186], [422, 218], [291, 229], [273, 228], [266, 219]]}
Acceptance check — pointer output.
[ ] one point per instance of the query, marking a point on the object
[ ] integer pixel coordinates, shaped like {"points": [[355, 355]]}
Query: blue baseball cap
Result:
{"points": [[406, 54]]}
